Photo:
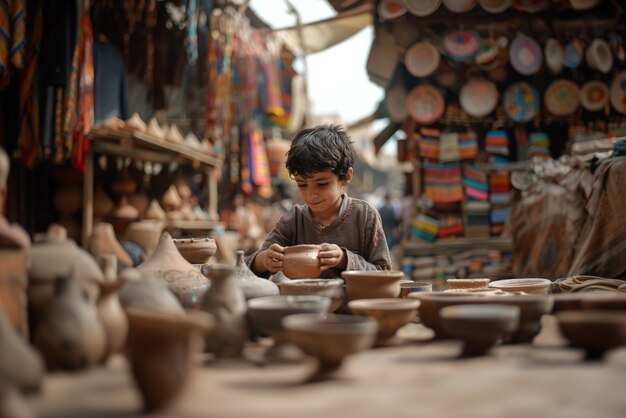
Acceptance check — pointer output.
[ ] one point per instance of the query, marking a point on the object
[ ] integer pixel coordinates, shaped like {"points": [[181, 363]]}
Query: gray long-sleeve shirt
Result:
{"points": [[357, 230]]}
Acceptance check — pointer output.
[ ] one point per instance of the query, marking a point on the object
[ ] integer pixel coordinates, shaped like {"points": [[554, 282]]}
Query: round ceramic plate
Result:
{"points": [[521, 101], [599, 56], [390, 9], [479, 97], [495, 6], [395, 102], [525, 55], [554, 55], [461, 45], [594, 95], [573, 54], [425, 104], [422, 7], [562, 97], [618, 92], [459, 6], [422, 59]]}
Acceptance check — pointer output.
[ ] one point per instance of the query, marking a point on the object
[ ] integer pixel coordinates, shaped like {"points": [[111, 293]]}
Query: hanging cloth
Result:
{"points": [[258, 157], [18, 28], [86, 101], [5, 38]]}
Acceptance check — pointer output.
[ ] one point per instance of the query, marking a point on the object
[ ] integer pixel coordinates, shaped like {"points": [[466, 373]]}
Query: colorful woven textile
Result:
{"points": [[475, 183], [468, 145], [449, 148], [539, 145], [425, 227], [428, 143], [497, 142], [443, 183], [450, 224]]}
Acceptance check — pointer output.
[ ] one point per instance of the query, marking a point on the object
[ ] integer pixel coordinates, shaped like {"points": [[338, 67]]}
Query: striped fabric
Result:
{"points": [[443, 183], [5, 37], [449, 148], [18, 28], [468, 145], [497, 142]]}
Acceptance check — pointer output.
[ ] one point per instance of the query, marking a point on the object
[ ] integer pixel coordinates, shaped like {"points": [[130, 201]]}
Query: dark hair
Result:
{"points": [[325, 147]]}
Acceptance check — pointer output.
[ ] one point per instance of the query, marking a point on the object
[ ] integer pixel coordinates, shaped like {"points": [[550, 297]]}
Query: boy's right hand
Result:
{"points": [[273, 258]]}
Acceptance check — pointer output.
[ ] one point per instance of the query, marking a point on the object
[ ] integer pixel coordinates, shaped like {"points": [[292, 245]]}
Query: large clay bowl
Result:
{"points": [[267, 312], [479, 326], [594, 331], [196, 250], [332, 288], [532, 308], [467, 283], [604, 301], [330, 338], [391, 314], [370, 284], [527, 285], [410, 287], [301, 261], [431, 304]]}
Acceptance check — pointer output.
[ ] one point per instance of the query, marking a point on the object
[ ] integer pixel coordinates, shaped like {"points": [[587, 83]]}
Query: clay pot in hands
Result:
{"points": [[226, 301], [69, 333], [20, 365], [104, 242], [301, 262], [196, 250], [161, 347], [183, 279], [113, 318], [252, 285]]}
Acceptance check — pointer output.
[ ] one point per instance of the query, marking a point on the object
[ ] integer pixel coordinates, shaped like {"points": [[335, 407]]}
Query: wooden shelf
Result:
{"points": [[417, 248]]}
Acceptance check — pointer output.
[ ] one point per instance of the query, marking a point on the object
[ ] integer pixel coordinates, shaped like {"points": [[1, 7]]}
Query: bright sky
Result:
{"points": [[338, 81]]}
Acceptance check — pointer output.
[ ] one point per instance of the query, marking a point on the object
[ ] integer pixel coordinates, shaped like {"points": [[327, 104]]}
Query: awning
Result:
{"points": [[318, 36]]}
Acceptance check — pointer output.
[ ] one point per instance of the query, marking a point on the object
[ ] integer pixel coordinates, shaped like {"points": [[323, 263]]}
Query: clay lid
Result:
{"points": [[154, 211], [125, 210], [135, 123], [171, 199], [173, 135], [155, 130]]}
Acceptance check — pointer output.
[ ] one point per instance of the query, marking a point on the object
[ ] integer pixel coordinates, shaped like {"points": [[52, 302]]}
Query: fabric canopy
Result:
{"points": [[318, 36]]}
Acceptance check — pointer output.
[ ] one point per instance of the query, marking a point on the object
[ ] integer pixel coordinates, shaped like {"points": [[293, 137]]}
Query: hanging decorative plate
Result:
{"points": [[422, 59], [422, 7], [395, 102], [562, 97], [599, 56], [459, 6], [479, 97], [525, 55], [573, 54], [390, 9], [521, 101], [461, 45], [554, 55], [425, 104], [495, 6], [487, 53], [594, 95], [618, 92]]}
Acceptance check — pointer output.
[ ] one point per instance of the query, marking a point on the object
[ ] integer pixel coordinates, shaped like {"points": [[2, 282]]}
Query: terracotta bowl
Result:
{"points": [[431, 304], [568, 302], [196, 250], [526, 285], [301, 262], [532, 308], [479, 326], [604, 301], [391, 314], [372, 284], [467, 283], [332, 288], [594, 331], [330, 338], [410, 287]]}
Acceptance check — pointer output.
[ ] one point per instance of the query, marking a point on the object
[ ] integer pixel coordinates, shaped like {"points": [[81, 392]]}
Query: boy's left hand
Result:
{"points": [[331, 256]]}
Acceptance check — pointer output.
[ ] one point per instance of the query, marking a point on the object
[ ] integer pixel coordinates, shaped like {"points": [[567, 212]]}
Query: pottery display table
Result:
{"points": [[418, 378]]}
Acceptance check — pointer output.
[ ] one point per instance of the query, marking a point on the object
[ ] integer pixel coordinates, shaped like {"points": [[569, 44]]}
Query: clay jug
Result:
{"points": [[112, 317], [149, 294], [13, 283], [161, 349], [183, 279], [252, 285], [69, 333], [20, 365], [226, 301]]}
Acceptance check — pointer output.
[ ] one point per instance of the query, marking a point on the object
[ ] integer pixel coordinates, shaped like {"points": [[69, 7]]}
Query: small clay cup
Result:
{"points": [[196, 250], [301, 261]]}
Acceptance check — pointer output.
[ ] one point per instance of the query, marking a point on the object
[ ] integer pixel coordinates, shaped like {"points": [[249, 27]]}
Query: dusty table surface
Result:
{"points": [[416, 378]]}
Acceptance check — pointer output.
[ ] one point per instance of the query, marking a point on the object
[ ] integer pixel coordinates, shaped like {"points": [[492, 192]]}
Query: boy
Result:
{"points": [[348, 230]]}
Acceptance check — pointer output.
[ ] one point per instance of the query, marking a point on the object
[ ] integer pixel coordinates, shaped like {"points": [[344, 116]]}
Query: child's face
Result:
{"points": [[322, 191]]}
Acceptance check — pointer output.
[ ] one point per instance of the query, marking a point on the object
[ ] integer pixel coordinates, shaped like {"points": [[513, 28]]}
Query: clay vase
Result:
{"points": [[56, 256], [145, 233], [113, 318], [13, 284], [252, 285], [301, 262], [196, 250], [171, 200], [154, 212], [104, 242], [69, 333], [183, 279], [160, 348], [226, 301], [20, 365], [102, 203], [149, 294]]}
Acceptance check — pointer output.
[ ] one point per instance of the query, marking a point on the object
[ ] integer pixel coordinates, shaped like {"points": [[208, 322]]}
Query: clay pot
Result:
{"points": [[594, 331], [104, 242], [145, 233], [161, 347], [391, 314], [102, 203], [154, 212], [173, 135], [532, 308], [155, 130], [20, 365], [372, 284], [171, 200], [568, 302], [196, 250], [139, 200], [166, 264], [467, 283], [432, 302], [69, 333], [13, 284], [135, 123], [149, 294], [252, 285], [113, 318], [331, 288], [226, 301], [122, 216], [301, 262]]}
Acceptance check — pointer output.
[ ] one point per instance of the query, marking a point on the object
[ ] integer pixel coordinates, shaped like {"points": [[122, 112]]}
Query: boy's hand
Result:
{"points": [[330, 256], [273, 258]]}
